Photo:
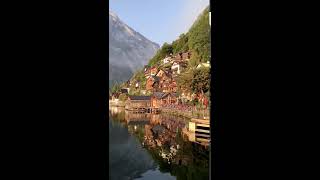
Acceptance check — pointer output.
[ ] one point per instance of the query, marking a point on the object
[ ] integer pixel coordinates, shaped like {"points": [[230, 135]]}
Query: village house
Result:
{"points": [[167, 59], [152, 83], [124, 90], [160, 73], [146, 71], [156, 99], [204, 65], [164, 76], [159, 99], [177, 66], [138, 102], [170, 98], [153, 71]]}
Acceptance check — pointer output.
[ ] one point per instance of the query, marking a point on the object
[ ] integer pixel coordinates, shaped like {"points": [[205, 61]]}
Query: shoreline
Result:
{"points": [[192, 114]]}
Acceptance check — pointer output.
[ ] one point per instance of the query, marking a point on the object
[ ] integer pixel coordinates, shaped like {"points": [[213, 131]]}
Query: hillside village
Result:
{"points": [[177, 77], [160, 83]]}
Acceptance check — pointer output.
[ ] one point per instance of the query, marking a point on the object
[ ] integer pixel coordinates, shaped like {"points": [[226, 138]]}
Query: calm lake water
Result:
{"points": [[149, 146]]}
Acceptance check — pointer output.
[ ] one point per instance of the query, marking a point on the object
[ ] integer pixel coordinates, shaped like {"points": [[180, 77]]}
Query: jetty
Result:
{"points": [[198, 131]]}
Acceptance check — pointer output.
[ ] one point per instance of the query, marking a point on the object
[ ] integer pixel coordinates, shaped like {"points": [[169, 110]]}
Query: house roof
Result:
{"points": [[124, 90], [155, 78], [140, 98], [158, 95], [171, 94]]}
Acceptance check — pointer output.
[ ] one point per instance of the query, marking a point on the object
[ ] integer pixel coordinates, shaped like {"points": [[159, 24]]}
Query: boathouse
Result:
{"points": [[159, 99], [138, 103]]}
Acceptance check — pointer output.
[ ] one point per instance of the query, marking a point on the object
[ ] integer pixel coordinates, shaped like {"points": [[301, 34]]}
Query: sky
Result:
{"points": [[159, 20]]}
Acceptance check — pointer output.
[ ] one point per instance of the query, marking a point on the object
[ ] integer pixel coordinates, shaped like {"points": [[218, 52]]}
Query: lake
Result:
{"points": [[153, 146]]}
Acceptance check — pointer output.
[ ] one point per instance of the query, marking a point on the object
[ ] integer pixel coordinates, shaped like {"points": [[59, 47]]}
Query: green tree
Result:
{"points": [[184, 81], [123, 97], [201, 80], [199, 36], [194, 60], [166, 49]]}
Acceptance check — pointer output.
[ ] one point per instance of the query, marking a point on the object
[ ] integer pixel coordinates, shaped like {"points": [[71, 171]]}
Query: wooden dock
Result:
{"points": [[199, 131], [144, 110]]}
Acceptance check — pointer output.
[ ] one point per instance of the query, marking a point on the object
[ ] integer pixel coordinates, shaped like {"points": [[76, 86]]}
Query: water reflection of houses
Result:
{"points": [[131, 117], [161, 134], [115, 110]]}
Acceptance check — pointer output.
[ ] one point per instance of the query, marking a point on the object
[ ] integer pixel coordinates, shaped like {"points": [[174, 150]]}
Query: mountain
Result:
{"points": [[128, 49]]}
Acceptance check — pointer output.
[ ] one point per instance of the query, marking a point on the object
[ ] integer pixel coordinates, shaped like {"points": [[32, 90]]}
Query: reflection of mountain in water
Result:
{"points": [[127, 158]]}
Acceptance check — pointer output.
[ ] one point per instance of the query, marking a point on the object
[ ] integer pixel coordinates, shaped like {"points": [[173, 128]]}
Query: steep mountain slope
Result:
{"points": [[128, 49]]}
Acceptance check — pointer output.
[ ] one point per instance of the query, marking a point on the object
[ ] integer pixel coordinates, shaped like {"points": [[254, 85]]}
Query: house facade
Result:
{"points": [[152, 83], [159, 99], [136, 102], [153, 71], [177, 66]]}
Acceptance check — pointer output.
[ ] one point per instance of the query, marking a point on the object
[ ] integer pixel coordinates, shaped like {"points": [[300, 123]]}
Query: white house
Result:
{"points": [[176, 66], [206, 65], [166, 60]]}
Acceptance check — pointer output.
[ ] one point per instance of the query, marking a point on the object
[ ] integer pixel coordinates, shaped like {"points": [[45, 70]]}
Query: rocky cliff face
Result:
{"points": [[128, 49]]}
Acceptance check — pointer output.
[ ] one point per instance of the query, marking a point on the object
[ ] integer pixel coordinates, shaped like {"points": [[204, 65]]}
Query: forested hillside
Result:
{"points": [[197, 42]]}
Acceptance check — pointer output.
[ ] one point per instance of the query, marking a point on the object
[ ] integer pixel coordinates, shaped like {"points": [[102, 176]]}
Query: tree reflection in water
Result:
{"points": [[161, 135]]}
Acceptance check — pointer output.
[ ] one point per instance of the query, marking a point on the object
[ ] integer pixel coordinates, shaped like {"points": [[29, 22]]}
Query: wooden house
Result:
{"points": [[160, 73], [138, 102], [152, 83], [170, 98], [156, 99], [162, 98], [163, 77], [153, 71], [178, 66], [124, 90]]}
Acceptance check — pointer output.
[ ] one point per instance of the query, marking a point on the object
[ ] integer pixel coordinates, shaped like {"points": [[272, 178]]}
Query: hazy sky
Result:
{"points": [[159, 20]]}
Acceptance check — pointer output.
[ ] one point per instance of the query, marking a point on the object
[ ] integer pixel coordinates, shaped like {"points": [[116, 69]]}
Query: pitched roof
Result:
{"points": [[140, 98], [171, 94], [155, 78], [158, 95], [124, 90]]}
